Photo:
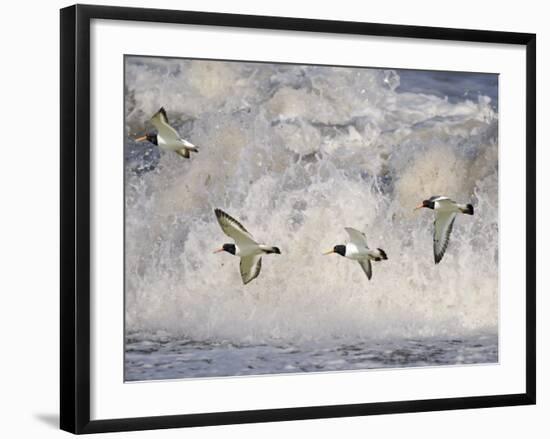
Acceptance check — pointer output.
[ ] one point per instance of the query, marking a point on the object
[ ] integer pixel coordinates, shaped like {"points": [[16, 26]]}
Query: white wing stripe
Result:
{"points": [[160, 122], [356, 237], [367, 267], [250, 268], [234, 229], [443, 226]]}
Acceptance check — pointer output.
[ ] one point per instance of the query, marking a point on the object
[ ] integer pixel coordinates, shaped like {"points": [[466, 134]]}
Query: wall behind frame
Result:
{"points": [[30, 213]]}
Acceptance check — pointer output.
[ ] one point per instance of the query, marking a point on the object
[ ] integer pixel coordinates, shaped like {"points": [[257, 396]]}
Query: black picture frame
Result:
{"points": [[75, 217]]}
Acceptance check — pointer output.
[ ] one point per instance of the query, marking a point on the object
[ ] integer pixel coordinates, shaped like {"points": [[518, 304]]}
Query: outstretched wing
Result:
{"points": [[234, 229], [161, 116], [356, 237], [160, 122], [443, 226], [250, 268], [367, 267]]}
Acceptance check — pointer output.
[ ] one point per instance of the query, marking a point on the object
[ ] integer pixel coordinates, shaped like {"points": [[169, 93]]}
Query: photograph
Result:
{"points": [[295, 218]]}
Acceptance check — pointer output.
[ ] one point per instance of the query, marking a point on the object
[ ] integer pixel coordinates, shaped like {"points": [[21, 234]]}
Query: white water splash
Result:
{"points": [[298, 153]]}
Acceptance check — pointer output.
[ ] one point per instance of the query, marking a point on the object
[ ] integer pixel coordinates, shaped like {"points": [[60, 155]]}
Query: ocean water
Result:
{"points": [[297, 153], [159, 356]]}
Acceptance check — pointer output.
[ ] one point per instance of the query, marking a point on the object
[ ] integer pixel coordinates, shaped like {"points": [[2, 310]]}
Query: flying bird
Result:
{"points": [[245, 246], [358, 250], [445, 213], [167, 138]]}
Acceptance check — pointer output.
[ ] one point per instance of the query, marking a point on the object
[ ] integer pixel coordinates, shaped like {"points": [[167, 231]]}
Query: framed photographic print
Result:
{"points": [[268, 218]]}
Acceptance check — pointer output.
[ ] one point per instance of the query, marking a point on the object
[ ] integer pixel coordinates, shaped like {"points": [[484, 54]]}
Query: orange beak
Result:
{"points": [[141, 139], [328, 253], [420, 206], [219, 250]]}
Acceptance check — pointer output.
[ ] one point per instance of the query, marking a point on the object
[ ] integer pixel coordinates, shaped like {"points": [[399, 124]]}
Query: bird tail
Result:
{"points": [[468, 209], [187, 149], [184, 152], [269, 249]]}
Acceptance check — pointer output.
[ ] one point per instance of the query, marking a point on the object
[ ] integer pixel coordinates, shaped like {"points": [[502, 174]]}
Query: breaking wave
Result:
{"points": [[297, 153]]}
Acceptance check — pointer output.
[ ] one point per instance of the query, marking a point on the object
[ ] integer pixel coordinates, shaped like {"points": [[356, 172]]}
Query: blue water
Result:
{"points": [[456, 86]]}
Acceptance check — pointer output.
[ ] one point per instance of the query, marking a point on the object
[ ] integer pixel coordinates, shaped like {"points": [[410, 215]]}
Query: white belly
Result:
{"points": [[247, 251], [172, 145], [356, 253], [446, 206]]}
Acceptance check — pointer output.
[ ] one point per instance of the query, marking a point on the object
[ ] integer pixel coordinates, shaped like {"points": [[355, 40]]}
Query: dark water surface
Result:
{"points": [[456, 86], [166, 358]]}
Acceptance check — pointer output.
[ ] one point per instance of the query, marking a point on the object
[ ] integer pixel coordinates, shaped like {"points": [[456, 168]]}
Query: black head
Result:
{"points": [[275, 250], [426, 203], [152, 138], [229, 248], [340, 249], [383, 254], [149, 137]]}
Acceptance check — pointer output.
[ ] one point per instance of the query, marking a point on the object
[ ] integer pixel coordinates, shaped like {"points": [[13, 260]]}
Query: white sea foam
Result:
{"points": [[297, 154]]}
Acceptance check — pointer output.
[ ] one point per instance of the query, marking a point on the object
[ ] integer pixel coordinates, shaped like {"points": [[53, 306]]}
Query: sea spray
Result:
{"points": [[297, 153]]}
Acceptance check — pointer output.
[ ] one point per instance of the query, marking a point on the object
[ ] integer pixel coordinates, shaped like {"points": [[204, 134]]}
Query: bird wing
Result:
{"points": [[446, 203], [250, 267], [356, 237], [234, 229], [161, 116], [367, 267], [160, 122], [441, 199], [443, 226]]}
